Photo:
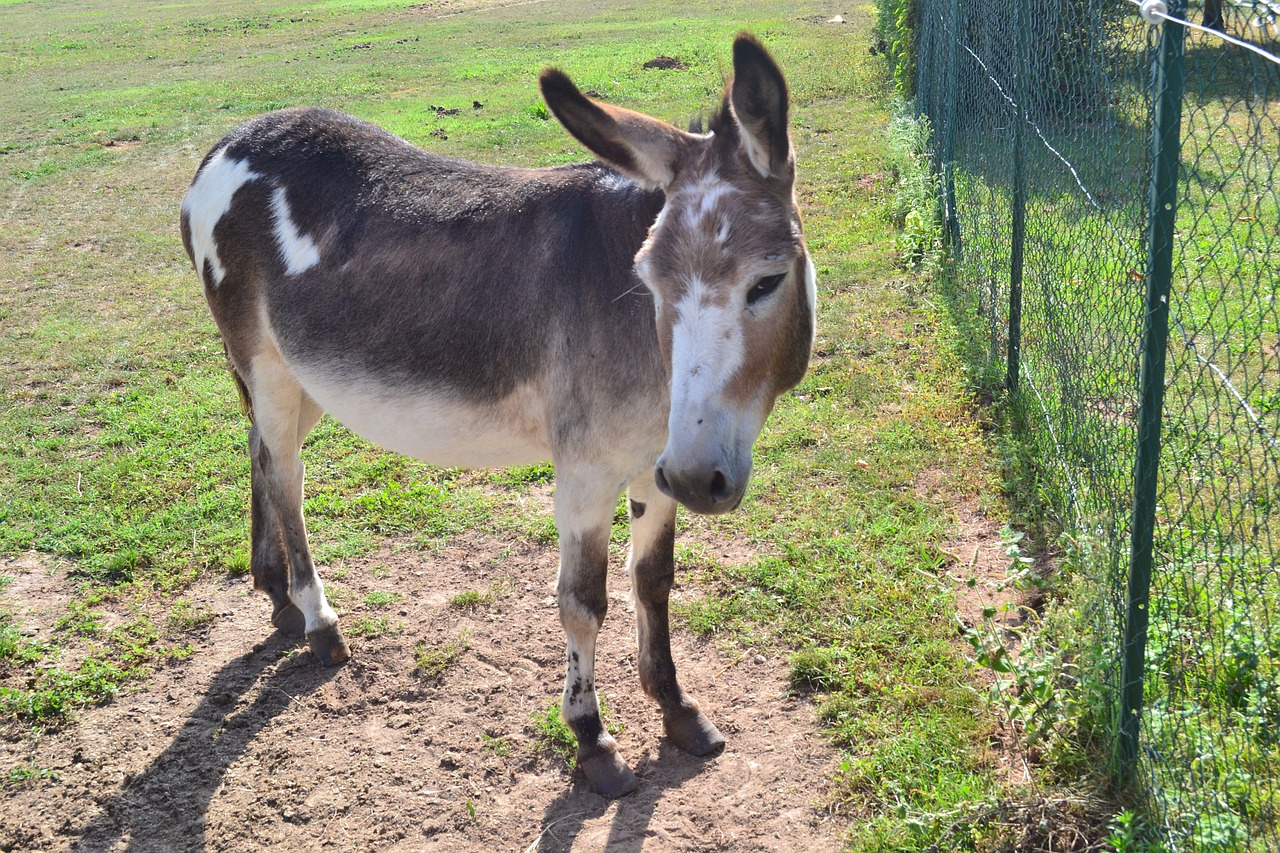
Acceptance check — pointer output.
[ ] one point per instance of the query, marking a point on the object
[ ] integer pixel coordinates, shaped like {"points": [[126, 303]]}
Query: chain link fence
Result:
{"points": [[1054, 126]]}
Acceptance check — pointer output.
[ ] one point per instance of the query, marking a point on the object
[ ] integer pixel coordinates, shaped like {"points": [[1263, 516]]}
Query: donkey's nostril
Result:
{"points": [[719, 487], [661, 479]]}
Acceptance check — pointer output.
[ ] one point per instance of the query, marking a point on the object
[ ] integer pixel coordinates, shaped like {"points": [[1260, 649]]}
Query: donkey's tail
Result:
{"points": [[246, 402]]}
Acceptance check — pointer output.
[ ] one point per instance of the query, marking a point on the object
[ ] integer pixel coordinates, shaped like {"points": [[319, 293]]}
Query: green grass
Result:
{"points": [[499, 746], [382, 598], [552, 735], [26, 773], [431, 660], [188, 616], [122, 448], [470, 599], [372, 626]]}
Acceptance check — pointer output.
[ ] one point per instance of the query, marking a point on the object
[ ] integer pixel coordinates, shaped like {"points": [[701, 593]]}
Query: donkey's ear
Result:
{"points": [[645, 149], [759, 99]]}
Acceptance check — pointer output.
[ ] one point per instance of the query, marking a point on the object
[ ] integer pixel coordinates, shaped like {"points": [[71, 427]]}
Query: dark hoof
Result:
{"points": [[693, 732], [328, 646], [607, 774], [289, 621]]}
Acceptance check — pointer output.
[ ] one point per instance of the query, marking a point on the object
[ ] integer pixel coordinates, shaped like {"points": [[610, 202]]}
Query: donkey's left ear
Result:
{"points": [[760, 103], [645, 149]]}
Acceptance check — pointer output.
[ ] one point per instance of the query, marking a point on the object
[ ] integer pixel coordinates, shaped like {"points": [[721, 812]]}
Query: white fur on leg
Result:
{"points": [[579, 698], [309, 598]]}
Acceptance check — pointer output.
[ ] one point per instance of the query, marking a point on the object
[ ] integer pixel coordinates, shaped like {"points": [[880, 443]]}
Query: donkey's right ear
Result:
{"points": [[645, 149]]}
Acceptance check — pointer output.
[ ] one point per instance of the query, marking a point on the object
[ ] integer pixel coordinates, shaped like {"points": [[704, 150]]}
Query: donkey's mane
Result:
{"points": [[721, 123]]}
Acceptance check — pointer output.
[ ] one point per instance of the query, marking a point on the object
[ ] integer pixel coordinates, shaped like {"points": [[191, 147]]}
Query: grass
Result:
{"points": [[430, 661], [22, 774], [372, 626], [383, 598], [499, 746], [470, 599], [552, 735], [122, 449]]}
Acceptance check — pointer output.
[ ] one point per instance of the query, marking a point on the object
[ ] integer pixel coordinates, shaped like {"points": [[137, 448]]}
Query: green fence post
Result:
{"points": [[1018, 236], [1166, 148], [951, 219], [925, 83]]}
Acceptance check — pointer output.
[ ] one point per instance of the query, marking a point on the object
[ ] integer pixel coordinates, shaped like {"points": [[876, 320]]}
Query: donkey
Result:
{"points": [[632, 319]]}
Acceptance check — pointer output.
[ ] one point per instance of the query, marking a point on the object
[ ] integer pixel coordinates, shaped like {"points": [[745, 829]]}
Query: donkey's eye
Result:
{"points": [[764, 287]]}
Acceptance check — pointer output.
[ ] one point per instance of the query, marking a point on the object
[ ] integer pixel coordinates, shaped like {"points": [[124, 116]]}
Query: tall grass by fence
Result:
{"points": [[1100, 176]]}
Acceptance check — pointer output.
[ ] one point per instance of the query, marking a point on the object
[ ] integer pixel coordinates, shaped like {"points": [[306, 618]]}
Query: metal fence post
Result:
{"points": [[951, 219], [1166, 148], [924, 82], [1017, 236]]}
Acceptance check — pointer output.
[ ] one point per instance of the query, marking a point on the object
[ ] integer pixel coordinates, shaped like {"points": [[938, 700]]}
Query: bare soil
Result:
{"points": [[249, 744], [665, 63]]}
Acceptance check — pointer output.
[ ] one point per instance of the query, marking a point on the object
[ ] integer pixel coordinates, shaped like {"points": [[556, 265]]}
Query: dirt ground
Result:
{"points": [[249, 745]]}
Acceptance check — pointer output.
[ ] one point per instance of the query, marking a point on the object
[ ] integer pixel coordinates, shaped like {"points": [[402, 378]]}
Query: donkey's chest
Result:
{"points": [[437, 427]]}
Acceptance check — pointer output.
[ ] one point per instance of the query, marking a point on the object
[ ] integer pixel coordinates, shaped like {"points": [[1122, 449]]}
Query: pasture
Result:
{"points": [[146, 703]]}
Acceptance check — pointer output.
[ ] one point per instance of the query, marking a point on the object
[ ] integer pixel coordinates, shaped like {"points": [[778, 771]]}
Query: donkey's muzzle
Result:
{"points": [[706, 491]]}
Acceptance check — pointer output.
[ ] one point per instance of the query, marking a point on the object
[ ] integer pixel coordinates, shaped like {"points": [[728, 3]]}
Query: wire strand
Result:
{"points": [[1157, 13]]}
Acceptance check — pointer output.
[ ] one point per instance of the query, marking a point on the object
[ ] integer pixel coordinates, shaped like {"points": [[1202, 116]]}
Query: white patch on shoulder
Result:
{"points": [[207, 202], [614, 182], [298, 251]]}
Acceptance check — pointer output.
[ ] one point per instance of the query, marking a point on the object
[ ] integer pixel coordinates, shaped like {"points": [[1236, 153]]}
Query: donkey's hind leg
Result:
{"points": [[268, 558], [652, 570], [283, 415]]}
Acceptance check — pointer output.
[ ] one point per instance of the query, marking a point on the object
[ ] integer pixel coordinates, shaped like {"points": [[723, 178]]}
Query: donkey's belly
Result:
{"points": [[435, 427]]}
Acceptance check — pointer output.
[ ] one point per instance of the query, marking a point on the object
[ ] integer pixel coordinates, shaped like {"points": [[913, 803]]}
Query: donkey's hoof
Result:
{"points": [[328, 646], [607, 774], [693, 732], [289, 620]]}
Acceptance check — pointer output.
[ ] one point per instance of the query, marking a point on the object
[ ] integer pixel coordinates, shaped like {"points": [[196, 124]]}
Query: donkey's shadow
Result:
{"points": [[566, 815], [164, 807]]}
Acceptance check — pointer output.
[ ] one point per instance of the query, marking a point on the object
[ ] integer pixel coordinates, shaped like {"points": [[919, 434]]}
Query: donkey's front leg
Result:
{"points": [[652, 570], [583, 518]]}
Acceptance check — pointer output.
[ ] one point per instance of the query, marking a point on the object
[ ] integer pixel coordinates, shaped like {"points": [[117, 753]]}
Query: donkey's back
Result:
{"points": [[380, 272]]}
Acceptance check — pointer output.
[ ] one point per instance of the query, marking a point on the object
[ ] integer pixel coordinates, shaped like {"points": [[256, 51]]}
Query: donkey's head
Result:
{"points": [[732, 282]]}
